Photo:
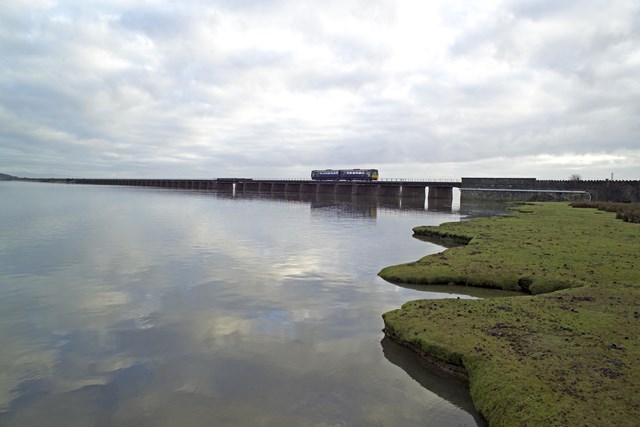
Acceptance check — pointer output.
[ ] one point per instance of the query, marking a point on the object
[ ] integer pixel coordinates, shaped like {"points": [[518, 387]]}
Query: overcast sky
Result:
{"points": [[275, 88]]}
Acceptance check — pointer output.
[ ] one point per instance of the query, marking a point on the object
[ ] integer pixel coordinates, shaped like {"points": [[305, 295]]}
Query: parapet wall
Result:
{"points": [[499, 183], [599, 190]]}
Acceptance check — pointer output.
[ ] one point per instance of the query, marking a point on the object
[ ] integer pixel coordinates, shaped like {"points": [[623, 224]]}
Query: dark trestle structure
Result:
{"points": [[472, 189], [398, 188]]}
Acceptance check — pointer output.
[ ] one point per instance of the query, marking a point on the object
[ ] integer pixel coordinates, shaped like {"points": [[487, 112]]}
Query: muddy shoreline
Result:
{"points": [[454, 370]]}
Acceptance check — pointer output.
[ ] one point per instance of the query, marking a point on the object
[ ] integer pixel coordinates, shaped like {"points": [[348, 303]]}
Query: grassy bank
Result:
{"points": [[567, 355], [629, 212]]}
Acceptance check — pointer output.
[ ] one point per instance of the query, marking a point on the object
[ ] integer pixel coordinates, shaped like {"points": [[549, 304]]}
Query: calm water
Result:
{"points": [[131, 306]]}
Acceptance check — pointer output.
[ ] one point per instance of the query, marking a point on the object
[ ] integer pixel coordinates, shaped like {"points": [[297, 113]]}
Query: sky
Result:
{"points": [[276, 88]]}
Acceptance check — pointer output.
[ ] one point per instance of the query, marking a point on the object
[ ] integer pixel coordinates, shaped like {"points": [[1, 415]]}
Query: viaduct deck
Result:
{"points": [[438, 188]]}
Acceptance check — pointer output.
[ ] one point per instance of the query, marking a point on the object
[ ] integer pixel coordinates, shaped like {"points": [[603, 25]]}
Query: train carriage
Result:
{"points": [[345, 175]]}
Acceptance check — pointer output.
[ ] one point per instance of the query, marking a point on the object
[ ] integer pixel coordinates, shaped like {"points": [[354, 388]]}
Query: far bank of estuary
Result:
{"points": [[569, 354]]}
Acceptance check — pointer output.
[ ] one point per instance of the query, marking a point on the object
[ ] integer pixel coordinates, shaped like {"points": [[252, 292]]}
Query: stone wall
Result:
{"points": [[500, 183], [600, 190]]}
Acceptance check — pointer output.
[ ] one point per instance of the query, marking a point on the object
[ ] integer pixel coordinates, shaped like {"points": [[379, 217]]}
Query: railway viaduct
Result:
{"points": [[438, 189]]}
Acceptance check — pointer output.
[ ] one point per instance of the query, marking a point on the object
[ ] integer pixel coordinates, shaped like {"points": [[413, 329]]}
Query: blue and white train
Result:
{"points": [[345, 175]]}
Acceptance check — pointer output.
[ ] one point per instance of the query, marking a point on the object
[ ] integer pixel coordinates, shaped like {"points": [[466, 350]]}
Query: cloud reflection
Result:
{"points": [[170, 306]]}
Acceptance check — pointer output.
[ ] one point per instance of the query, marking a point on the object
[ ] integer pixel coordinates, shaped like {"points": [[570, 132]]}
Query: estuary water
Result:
{"points": [[126, 306]]}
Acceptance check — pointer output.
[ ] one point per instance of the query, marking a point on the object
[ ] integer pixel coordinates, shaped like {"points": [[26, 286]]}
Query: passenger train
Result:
{"points": [[345, 175]]}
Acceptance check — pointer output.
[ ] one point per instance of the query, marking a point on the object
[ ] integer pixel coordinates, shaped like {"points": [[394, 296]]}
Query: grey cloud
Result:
{"points": [[151, 89], [250, 5], [322, 80], [157, 23], [541, 9]]}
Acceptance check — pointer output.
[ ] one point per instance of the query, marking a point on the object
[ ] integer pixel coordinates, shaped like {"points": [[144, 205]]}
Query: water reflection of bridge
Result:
{"points": [[339, 205]]}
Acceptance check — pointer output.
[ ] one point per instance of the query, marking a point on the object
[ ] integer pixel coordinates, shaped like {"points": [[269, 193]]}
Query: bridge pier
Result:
{"points": [[440, 193], [326, 188], [293, 187], [279, 187], [309, 188], [390, 190], [344, 188], [250, 187], [367, 190], [225, 186], [413, 191], [266, 187]]}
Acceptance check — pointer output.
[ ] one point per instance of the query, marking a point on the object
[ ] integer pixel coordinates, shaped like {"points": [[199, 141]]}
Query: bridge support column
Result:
{"points": [[309, 188], [252, 186], [440, 193], [326, 188], [389, 190], [292, 187], [412, 191], [278, 187], [225, 186], [366, 190], [344, 188]]}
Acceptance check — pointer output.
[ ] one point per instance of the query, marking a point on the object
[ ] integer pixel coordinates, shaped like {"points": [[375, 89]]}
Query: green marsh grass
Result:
{"points": [[566, 352], [629, 212]]}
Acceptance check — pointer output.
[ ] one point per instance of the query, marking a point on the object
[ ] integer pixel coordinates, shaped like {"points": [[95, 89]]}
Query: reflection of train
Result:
{"points": [[342, 206], [345, 175]]}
